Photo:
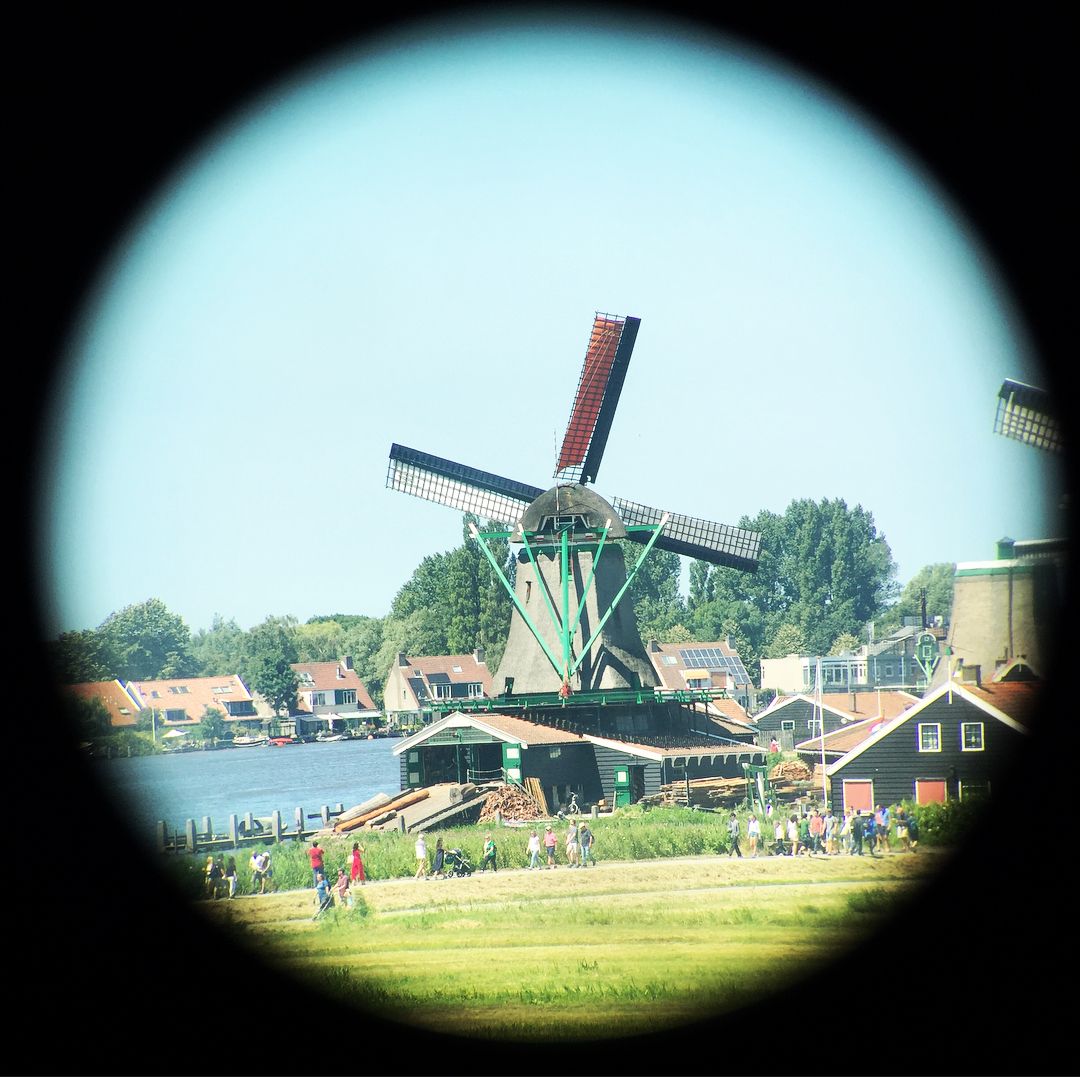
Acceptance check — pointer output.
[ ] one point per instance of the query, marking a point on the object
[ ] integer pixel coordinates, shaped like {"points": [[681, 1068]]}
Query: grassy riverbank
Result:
{"points": [[626, 947]]}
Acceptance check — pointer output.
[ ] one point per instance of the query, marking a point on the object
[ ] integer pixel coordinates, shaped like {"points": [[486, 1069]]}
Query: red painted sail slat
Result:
{"points": [[603, 342]]}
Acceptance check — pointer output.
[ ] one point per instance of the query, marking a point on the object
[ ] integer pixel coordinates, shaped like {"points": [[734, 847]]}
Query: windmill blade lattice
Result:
{"points": [[1026, 413], [719, 544], [468, 489], [606, 360]]}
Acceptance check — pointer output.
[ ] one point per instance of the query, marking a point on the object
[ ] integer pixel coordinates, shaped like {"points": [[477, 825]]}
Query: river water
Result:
{"points": [[192, 785]]}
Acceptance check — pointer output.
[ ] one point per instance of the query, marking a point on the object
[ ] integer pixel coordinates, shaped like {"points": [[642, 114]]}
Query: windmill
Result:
{"points": [[572, 630], [1028, 414]]}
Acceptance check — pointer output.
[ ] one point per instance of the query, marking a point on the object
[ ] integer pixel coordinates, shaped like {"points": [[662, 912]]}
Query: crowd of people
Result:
{"points": [[853, 833], [821, 832]]}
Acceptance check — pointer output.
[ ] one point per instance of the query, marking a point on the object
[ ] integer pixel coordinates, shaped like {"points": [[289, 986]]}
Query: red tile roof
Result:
{"points": [[193, 695], [1020, 700], [123, 710], [333, 677]]}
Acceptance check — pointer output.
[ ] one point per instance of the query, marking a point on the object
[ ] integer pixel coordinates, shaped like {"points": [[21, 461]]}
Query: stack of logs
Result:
{"points": [[512, 803], [787, 780]]}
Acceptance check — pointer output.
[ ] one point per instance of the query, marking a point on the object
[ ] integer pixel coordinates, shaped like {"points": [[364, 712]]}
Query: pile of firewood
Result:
{"points": [[791, 770], [511, 802]]}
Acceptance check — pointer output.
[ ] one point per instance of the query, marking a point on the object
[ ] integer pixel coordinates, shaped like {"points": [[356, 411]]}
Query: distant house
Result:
{"points": [[414, 683], [121, 705], [184, 701], [702, 665], [330, 697], [796, 718], [887, 663], [950, 745]]}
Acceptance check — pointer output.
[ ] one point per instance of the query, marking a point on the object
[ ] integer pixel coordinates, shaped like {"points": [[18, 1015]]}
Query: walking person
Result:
{"points": [[902, 831], [845, 833], [830, 831], [438, 860], [572, 845], [267, 880], [753, 833], [533, 850], [490, 853], [315, 855], [733, 835], [585, 844], [324, 897], [858, 828], [816, 826], [344, 897], [793, 834], [550, 841], [231, 876], [356, 864], [421, 857], [881, 826], [778, 838]]}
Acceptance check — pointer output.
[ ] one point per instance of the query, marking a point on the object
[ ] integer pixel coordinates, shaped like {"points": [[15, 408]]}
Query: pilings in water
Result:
{"points": [[249, 831]]}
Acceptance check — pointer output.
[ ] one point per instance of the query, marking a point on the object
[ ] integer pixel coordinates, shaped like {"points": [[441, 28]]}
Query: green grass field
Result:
{"points": [[625, 947]]}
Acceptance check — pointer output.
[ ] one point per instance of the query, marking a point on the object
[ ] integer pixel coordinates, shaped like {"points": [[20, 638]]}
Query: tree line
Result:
{"points": [[825, 574]]}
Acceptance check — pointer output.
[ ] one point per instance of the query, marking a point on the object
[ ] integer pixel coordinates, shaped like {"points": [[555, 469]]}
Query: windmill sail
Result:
{"points": [[719, 544], [1028, 414], [487, 496], [606, 360]]}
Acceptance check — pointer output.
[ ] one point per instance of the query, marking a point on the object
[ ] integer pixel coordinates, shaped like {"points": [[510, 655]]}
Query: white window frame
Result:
{"points": [[441, 691], [981, 726], [920, 741], [787, 725], [347, 695], [475, 690]]}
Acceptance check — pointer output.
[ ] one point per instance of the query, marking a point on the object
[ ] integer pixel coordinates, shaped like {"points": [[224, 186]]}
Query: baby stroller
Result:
{"points": [[457, 864]]}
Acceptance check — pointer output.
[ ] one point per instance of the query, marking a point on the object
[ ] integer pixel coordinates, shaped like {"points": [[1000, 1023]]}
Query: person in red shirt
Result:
{"points": [[315, 854]]}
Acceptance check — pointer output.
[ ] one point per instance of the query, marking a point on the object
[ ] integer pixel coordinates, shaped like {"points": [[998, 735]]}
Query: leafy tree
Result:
{"points": [[844, 644], [147, 642], [937, 582], [320, 641], [218, 651], [269, 651], [212, 726], [658, 605], [91, 717], [80, 656], [789, 639]]}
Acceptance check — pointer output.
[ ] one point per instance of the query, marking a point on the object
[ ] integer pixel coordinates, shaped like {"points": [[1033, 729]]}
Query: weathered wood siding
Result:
{"points": [[894, 763]]}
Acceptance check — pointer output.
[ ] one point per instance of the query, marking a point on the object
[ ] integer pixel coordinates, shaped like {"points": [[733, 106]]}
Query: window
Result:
{"points": [[554, 753], [669, 660], [971, 736], [318, 699], [475, 690], [346, 695], [175, 715], [787, 726], [441, 691], [178, 689], [456, 669], [930, 737]]}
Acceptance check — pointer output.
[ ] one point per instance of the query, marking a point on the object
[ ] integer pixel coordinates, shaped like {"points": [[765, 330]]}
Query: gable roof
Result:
{"points": [[841, 741], [504, 727], [122, 707], [850, 706], [1013, 704], [193, 695], [419, 673], [669, 661], [331, 677]]}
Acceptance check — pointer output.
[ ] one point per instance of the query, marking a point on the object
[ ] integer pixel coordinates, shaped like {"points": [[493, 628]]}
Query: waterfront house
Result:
{"points": [[414, 683], [716, 665], [184, 701], [122, 708], [331, 698], [795, 718]]}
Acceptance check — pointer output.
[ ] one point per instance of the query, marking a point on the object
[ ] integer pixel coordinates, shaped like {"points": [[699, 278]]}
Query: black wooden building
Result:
{"points": [[487, 746], [951, 745]]}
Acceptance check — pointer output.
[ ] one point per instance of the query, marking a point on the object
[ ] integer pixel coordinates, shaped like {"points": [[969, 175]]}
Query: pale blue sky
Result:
{"points": [[407, 243]]}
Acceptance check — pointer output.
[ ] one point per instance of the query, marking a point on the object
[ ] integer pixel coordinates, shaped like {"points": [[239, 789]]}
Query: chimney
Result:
{"points": [[347, 661], [971, 675], [478, 655], [854, 702], [401, 659], [654, 646]]}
